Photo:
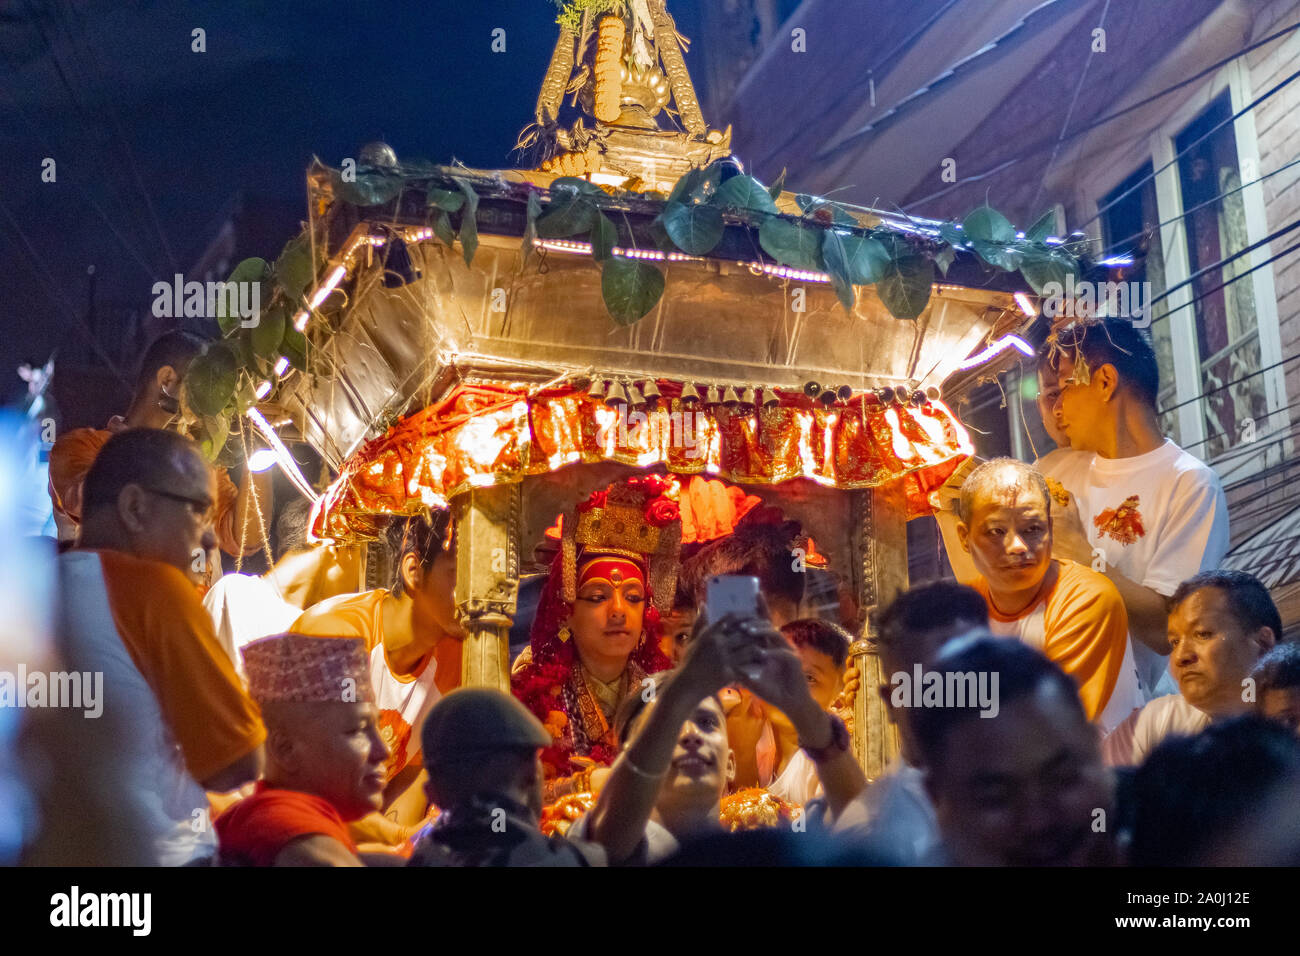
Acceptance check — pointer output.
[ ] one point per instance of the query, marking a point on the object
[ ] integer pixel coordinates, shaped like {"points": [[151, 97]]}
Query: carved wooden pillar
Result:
{"points": [[487, 580], [880, 539]]}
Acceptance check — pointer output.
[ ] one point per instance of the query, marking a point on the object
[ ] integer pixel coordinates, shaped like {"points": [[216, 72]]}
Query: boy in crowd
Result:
{"points": [[1154, 514]]}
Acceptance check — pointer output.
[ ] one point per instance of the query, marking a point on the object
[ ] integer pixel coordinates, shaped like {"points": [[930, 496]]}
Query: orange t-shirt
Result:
{"points": [[1081, 626], [362, 615], [170, 638], [70, 461]]}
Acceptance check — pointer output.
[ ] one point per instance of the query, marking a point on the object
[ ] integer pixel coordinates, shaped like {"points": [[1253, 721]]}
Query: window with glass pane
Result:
{"points": [[1227, 331], [1131, 227]]}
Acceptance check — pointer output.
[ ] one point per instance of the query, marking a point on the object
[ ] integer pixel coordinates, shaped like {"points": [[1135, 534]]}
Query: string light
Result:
{"points": [[328, 286], [282, 365], [1026, 306], [1001, 345], [282, 454], [263, 390]]}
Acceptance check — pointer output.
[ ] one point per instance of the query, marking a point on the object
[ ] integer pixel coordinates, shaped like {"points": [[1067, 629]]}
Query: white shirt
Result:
{"points": [[244, 608], [798, 782], [1135, 738], [893, 814], [403, 704], [157, 791], [1157, 518]]}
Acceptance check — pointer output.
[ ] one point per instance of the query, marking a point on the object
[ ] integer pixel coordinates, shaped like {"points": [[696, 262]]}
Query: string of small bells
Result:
{"points": [[640, 394]]}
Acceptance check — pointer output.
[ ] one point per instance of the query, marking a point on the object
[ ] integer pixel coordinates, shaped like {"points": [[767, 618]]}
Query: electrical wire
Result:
{"points": [[1116, 244], [58, 295], [1192, 145], [1046, 144]]}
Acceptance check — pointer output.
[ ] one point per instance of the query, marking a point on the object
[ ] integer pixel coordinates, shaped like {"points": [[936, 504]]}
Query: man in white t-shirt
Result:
{"points": [[1141, 510], [246, 607], [1220, 624]]}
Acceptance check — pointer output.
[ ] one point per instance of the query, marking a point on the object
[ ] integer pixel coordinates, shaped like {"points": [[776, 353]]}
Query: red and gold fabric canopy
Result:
{"points": [[480, 435]]}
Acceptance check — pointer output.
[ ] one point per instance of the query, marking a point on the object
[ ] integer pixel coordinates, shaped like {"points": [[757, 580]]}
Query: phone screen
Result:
{"points": [[732, 594]]}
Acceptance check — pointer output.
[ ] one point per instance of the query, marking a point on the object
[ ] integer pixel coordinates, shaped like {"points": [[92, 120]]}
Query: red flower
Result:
{"points": [[597, 500], [650, 485], [661, 512]]}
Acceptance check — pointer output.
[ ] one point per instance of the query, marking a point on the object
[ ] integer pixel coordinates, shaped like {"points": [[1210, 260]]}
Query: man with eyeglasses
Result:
{"points": [[181, 720]]}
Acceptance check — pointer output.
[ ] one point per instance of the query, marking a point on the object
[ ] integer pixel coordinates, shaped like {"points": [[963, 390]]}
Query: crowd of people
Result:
{"points": [[1091, 687]]}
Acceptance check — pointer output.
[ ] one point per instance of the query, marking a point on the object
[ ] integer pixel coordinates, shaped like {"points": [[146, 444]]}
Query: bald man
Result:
{"points": [[1071, 613]]}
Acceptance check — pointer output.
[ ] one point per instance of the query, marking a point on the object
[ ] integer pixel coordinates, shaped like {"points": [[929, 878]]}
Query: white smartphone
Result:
{"points": [[732, 594]]}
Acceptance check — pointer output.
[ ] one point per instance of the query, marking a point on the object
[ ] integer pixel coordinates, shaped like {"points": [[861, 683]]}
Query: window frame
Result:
{"points": [[1158, 148]]}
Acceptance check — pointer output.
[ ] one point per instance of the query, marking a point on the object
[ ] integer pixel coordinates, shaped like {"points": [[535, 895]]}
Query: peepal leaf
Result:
{"points": [[604, 235], [905, 287], [216, 429], [986, 224], [630, 287], [791, 244], [211, 379], [695, 227], [294, 348], [442, 228], [569, 215], [1042, 227], [251, 271], [269, 331], [855, 259], [1042, 267], [775, 189], [294, 269], [997, 254], [445, 199], [745, 192]]}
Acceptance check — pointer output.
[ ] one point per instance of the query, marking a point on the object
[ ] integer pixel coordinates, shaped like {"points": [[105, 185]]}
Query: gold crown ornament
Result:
{"points": [[632, 521]]}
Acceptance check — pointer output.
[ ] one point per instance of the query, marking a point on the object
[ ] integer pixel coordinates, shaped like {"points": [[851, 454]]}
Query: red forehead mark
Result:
{"points": [[615, 571]]}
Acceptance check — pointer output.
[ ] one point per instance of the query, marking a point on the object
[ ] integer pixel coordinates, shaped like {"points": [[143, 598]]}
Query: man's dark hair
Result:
{"points": [[754, 547], [1116, 342], [824, 636], [176, 349], [1193, 791], [291, 528], [1279, 669], [1247, 597], [1021, 672], [985, 476], [148, 457], [927, 607], [419, 535]]}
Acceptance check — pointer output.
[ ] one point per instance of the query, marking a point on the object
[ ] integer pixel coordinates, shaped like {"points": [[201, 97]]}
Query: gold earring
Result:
{"points": [[564, 635]]}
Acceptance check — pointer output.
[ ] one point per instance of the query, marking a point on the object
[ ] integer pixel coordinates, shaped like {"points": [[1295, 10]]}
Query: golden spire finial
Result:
{"points": [[622, 61]]}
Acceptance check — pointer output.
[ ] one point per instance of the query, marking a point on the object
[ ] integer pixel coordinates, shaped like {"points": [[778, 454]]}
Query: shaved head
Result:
{"points": [[1000, 476]]}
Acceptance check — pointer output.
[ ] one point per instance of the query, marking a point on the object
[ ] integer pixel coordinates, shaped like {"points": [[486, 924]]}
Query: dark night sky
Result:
{"points": [[111, 90]]}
